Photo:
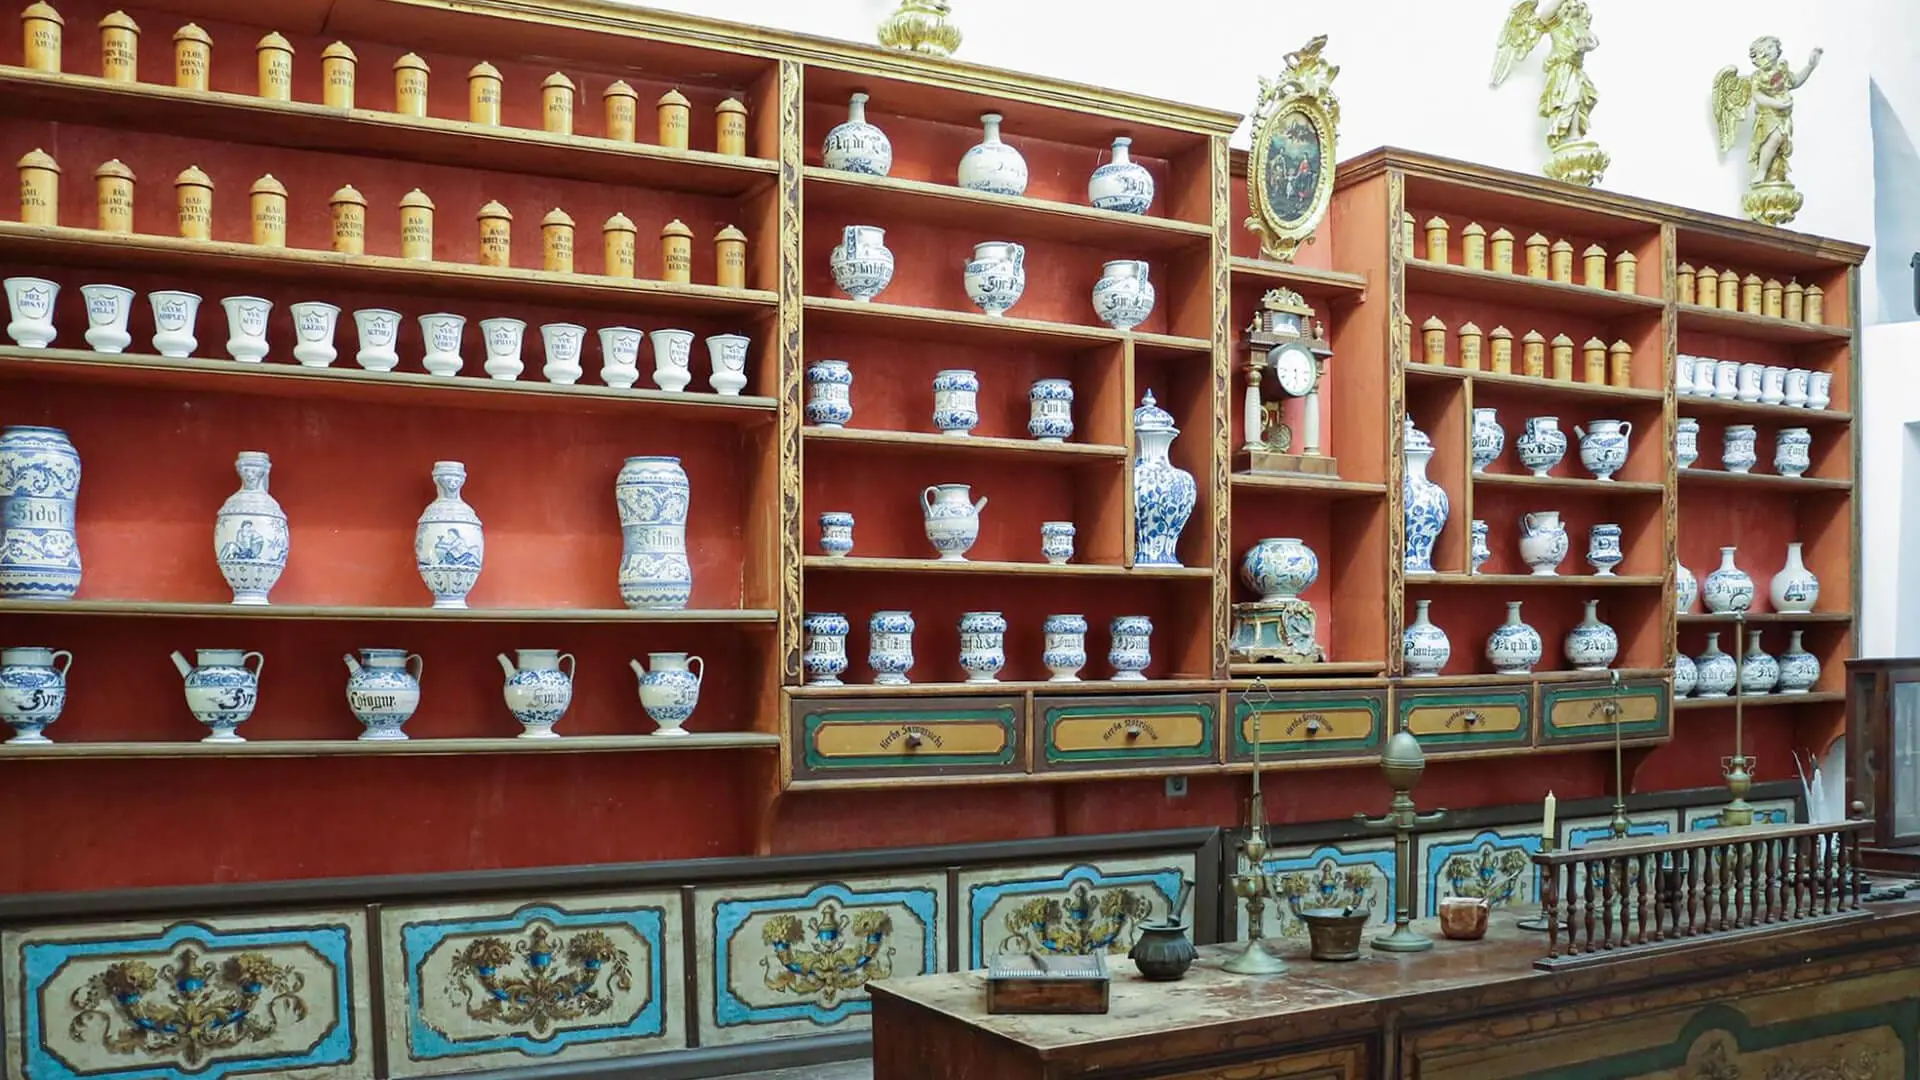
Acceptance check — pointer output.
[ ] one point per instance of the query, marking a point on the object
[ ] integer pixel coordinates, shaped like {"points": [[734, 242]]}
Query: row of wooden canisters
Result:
{"points": [[1601, 364], [192, 63], [1547, 261], [1727, 290]]}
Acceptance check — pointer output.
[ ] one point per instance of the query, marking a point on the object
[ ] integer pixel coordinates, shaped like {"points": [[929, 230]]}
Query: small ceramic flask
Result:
{"points": [[1593, 355], [274, 57], [1472, 341], [113, 197], [1682, 283], [1500, 252], [1626, 272], [40, 188], [556, 242], [1593, 267], [1793, 305], [1433, 333], [676, 252], [1729, 299], [416, 226], [348, 209], [1815, 305], [119, 48], [1772, 298], [41, 26], [730, 128], [496, 235], [339, 68], [410, 74], [1706, 287], [1437, 240], [193, 194], [1620, 364], [1537, 256], [268, 209], [192, 57], [622, 107], [1408, 230], [1500, 351], [1560, 261], [1533, 354], [1752, 294], [1562, 351], [1473, 246], [674, 112], [556, 104], [730, 258], [483, 94], [617, 237]]}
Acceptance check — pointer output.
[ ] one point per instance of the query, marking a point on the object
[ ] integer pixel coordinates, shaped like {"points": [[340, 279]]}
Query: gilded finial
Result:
{"points": [[921, 26]]}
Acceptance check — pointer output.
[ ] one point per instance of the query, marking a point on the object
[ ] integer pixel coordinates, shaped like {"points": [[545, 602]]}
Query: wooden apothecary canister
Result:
{"points": [[1562, 353], [1815, 304], [496, 235], [1683, 283], [1500, 251], [1752, 294], [1560, 260], [416, 226], [193, 194], [1472, 341], [1537, 256], [1772, 298], [349, 211], [1433, 337], [730, 128], [556, 242], [39, 188], [617, 235], [556, 104], [119, 48], [267, 210], [675, 113], [1620, 360], [676, 252], [192, 57], [339, 68], [1437, 240], [113, 197], [483, 94], [1706, 287], [40, 29], [1729, 291], [1794, 302], [410, 75], [1533, 354], [1593, 356], [1500, 350], [622, 106], [1593, 267], [275, 61], [730, 258], [1408, 231], [1473, 246], [1626, 273]]}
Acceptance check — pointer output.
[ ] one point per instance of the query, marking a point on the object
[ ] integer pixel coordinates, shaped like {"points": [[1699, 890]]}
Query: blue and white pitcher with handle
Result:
{"points": [[1604, 449], [1543, 542]]}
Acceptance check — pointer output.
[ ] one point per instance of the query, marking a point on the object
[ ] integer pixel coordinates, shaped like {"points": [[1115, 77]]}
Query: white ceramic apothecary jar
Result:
{"points": [[992, 165], [1121, 185], [857, 146]]}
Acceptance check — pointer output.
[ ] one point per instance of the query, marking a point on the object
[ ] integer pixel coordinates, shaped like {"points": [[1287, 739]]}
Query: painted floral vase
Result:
{"points": [[1163, 493], [1728, 589], [1714, 671], [653, 496], [250, 537], [1759, 671], [449, 545], [39, 493], [1425, 502], [1279, 568], [1799, 669]]}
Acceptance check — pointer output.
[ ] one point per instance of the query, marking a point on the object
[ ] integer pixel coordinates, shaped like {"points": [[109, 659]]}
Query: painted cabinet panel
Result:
{"points": [[1583, 712], [1070, 908], [1119, 732], [850, 738], [1307, 724], [1457, 719]]}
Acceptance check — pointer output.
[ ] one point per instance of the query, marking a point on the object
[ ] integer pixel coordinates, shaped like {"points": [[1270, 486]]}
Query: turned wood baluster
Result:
{"points": [[1644, 864], [1689, 889], [1802, 869], [1772, 848], [1826, 874], [1607, 885], [1724, 875], [1850, 851], [1749, 884], [1586, 875], [1550, 907]]}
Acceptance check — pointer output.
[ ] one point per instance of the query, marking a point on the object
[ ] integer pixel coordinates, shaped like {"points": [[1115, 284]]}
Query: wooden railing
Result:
{"points": [[1644, 894]]}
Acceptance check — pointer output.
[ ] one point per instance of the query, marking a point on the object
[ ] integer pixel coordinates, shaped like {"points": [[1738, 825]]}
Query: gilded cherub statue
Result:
{"points": [[1568, 99], [1768, 92]]}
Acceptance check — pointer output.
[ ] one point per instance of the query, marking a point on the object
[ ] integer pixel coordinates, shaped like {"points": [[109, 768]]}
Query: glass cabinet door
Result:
{"points": [[1903, 779]]}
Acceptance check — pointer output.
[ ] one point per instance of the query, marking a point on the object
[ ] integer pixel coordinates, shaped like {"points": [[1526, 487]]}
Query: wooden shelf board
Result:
{"points": [[1759, 701], [301, 125], [923, 442], [1614, 581], [1039, 688], [349, 747], [1013, 217], [972, 327], [855, 564], [349, 383], [1309, 485], [1766, 618], [1757, 327], [1257, 669], [1720, 477], [1753, 411], [180, 610], [1569, 483], [193, 259], [1443, 279], [1310, 281], [1549, 389]]}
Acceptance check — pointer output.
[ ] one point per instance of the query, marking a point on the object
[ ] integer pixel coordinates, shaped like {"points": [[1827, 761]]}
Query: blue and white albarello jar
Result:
{"points": [[1163, 493], [653, 496], [39, 488], [1426, 503]]}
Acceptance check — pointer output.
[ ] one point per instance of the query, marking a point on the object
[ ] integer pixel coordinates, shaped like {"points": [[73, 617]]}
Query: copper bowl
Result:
{"points": [[1332, 934], [1464, 918]]}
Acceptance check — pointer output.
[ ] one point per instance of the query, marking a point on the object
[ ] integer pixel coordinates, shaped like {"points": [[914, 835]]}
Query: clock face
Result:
{"points": [[1294, 367]]}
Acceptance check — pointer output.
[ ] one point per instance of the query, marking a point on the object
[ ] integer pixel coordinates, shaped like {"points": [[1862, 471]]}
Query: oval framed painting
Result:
{"points": [[1290, 174]]}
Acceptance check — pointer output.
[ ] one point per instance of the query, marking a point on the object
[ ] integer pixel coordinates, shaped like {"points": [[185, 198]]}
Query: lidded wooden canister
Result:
{"points": [[556, 104], [1500, 251], [676, 252], [1562, 352], [1500, 350], [39, 188], [1815, 304], [1752, 294], [119, 48], [622, 105], [349, 212], [193, 193], [1794, 301], [617, 235], [483, 94], [1408, 230], [113, 197], [556, 242], [1706, 287], [1626, 273], [275, 56], [1437, 229], [1473, 246], [1772, 298], [675, 112], [1620, 361], [40, 29], [410, 75], [1560, 260], [268, 210], [730, 258], [338, 69], [1729, 291], [1533, 354], [192, 57], [416, 226], [1433, 337], [1593, 265], [496, 235], [730, 128], [1472, 341], [1682, 283], [1593, 355], [1537, 256]]}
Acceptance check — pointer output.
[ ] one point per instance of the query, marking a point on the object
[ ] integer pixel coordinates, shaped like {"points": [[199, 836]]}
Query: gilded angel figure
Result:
{"points": [[1768, 92], [1567, 100]]}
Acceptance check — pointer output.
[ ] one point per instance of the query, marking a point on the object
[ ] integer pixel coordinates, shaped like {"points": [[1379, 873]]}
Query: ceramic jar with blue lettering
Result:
{"points": [[1056, 541], [538, 689], [1686, 442], [1713, 670], [1130, 647], [1737, 453], [1603, 549], [221, 689], [1486, 438], [1604, 449], [1759, 672], [1514, 647], [1543, 542], [1685, 675], [952, 519], [1065, 650], [996, 276], [992, 165], [1163, 493], [383, 690], [1792, 451], [836, 533], [1123, 297], [1050, 410], [1122, 185], [1477, 551], [653, 495], [1686, 590], [449, 545], [670, 690], [861, 263], [890, 647], [39, 489], [1425, 502], [1541, 444], [1423, 645], [829, 393], [983, 636], [1279, 568], [33, 690], [1592, 645], [1794, 588], [857, 146], [1728, 589], [956, 402], [823, 651], [1799, 669], [250, 538]]}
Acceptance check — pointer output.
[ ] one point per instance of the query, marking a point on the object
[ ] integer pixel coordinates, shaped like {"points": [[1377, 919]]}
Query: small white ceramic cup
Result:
{"points": [[247, 327], [672, 359], [442, 332], [174, 314], [30, 303], [727, 353], [563, 343], [503, 338], [620, 356], [313, 325], [379, 331], [108, 307]]}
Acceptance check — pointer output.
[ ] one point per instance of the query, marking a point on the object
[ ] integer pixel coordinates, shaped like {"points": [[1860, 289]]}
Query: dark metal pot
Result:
{"points": [[1163, 952], [1332, 934]]}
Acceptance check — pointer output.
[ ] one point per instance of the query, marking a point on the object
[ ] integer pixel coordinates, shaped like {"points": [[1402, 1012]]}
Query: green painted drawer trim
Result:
{"points": [[1375, 704], [1659, 725], [1521, 699], [1210, 723], [1005, 716]]}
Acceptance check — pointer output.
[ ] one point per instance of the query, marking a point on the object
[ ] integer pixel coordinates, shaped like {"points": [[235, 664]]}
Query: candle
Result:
{"points": [[1546, 830]]}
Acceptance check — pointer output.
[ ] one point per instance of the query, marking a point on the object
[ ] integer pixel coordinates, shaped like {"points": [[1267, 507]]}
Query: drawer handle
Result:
{"points": [[1466, 717], [1314, 723], [914, 739], [1133, 731]]}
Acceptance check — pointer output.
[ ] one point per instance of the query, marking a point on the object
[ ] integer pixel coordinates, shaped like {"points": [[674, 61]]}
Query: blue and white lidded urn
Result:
{"points": [[250, 538], [824, 650], [1163, 493], [221, 689], [653, 496], [538, 689], [829, 393], [1050, 410], [33, 690], [1130, 647], [1122, 185], [1423, 645], [449, 545], [1592, 645], [857, 146], [1279, 568], [1514, 647], [983, 651], [1123, 297], [670, 689], [1066, 646], [383, 690], [861, 263], [956, 402], [39, 492], [991, 165], [890, 647], [1425, 502]]}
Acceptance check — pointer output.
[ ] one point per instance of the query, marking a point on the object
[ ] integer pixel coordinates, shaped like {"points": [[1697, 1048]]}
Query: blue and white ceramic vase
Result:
{"points": [[449, 545], [1603, 548], [857, 146], [1592, 645], [836, 533], [1737, 454], [829, 393], [1759, 672], [996, 276], [1729, 588], [670, 690], [383, 690], [652, 494], [1065, 651], [1685, 675], [1425, 502], [1050, 410], [1486, 438], [1477, 551], [983, 641], [1799, 669], [1123, 297], [1423, 645], [250, 538], [1514, 647], [1543, 542], [33, 690], [1056, 541], [1792, 451], [39, 489], [956, 402], [1163, 493], [1541, 444], [1794, 588], [1279, 568], [221, 689], [890, 647], [1603, 450], [861, 263], [1714, 671], [992, 165], [1686, 590], [823, 651], [952, 519], [538, 689], [1130, 647], [1121, 185]]}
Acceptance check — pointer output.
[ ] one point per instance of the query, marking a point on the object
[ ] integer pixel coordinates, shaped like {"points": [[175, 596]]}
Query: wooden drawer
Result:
{"points": [[847, 738], [1131, 731], [1460, 718], [1308, 723], [1577, 712], [1347, 1062]]}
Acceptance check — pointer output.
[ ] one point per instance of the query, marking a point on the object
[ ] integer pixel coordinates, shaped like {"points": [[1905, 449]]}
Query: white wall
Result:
{"points": [[1890, 492]]}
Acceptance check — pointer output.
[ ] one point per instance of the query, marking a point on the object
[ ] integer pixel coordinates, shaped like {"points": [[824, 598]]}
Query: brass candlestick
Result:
{"points": [[1402, 762], [1542, 921], [1619, 823], [1739, 767], [1252, 884]]}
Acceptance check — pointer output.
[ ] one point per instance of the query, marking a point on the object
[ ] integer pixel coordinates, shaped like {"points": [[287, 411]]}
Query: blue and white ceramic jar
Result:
{"points": [[1604, 449], [1686, 590], [1592, 645], [1478, 552], [1056, 541], [1163, 493], [1686, 442], [1423, 645], [996, 276], [956, 402], [857, 146], [1714, 671], [653, 495], [829, 393], [1541, 444], [1794, 588], [449, 545], [383, 690], [861, 263], [39, 490], [1543, 542], [250, 537], [1728, 589], [1603, 549], [1121, 185], [1737, 453], [1279, 568], [823, 651], [33, 690], [538, 689], [1799, 669], [992, 165], [1130, 647], [221, 689], [890, 647], [1685, 675], [1486, 438], [952, 519], [670, 690], [983, 638], [836, 533], [1425, 502], [1792, 451], [1050, 410], [1514, 647], [1066, 646], [1123, 297], [1759, 672]]}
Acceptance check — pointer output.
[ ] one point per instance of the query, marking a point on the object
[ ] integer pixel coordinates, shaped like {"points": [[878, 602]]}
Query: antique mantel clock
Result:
{"points": [[1287, 359]]}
